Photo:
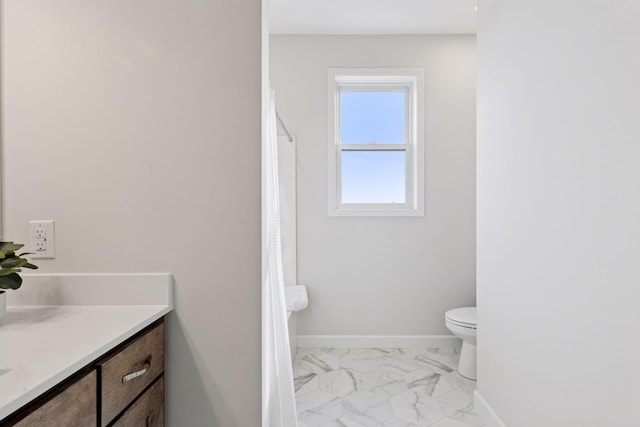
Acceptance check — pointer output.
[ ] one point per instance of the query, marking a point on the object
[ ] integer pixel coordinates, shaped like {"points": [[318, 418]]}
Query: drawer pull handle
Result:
{"points": [[136, 374]]}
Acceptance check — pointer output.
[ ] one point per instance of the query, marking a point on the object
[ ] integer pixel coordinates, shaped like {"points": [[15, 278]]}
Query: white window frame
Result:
{"points": [[379, 79]]}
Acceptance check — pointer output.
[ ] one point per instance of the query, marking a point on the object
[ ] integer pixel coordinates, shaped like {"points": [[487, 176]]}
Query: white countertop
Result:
{"points": [[41, 345]]}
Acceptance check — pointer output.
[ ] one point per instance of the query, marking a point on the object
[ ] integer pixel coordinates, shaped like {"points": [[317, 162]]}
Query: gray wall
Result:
{"points": [[385, 276], [136, 127], [558, 210]]}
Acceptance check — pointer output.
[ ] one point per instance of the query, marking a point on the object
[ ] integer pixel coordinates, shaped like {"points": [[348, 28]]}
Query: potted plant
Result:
{"points": [[10, 265]]}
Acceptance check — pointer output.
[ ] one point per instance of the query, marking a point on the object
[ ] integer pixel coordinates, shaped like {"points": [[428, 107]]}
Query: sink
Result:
{"points": [[4, 371]]}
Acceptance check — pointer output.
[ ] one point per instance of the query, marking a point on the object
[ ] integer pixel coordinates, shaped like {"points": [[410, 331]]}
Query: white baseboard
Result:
{"points": [[379, 341], [484, 410]]}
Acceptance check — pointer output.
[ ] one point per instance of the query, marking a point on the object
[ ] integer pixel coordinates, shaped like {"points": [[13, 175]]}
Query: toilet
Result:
{"points": [[462, 322]]}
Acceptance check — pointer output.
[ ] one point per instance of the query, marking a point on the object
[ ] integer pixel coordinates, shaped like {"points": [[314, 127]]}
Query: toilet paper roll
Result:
{"points": [[296, 297]]}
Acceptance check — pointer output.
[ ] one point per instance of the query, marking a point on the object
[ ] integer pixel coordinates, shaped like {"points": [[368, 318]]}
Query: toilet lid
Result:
{"points": [[462, 316]]}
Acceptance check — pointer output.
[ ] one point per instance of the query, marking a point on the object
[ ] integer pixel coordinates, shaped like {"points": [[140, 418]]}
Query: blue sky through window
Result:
{"points": [[372, 176], [372, 117]]}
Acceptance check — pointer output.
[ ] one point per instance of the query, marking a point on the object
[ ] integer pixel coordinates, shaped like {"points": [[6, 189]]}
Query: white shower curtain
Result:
{"points": [[279, 403]]}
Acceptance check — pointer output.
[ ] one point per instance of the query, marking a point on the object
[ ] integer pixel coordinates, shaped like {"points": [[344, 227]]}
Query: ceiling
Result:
{"points": [[372, 16]]}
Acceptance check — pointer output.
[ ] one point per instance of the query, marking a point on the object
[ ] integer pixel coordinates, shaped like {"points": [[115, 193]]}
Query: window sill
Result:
{"points": [[387, 211]]}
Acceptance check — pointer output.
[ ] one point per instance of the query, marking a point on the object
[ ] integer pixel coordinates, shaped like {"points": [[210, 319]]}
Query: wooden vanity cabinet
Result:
{"points": [[126, 373], [123, 388], [72, 404], [146, 411]]}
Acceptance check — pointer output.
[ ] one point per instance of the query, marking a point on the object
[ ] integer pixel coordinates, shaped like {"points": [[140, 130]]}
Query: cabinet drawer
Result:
{"points": [[147, 411], [74, 406], [128, 372]]}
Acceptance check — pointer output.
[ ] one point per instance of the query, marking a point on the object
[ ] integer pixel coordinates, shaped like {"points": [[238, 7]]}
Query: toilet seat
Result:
{"points": [[464, 317]]}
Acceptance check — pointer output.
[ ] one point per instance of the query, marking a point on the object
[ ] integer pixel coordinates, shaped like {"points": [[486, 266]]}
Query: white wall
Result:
{"points": [[136, 127], [558, 212], [387, 276]]}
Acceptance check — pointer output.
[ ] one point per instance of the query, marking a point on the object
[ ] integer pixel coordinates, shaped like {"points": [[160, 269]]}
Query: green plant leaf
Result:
{"points": [[13, 262], [8, 271], [11, 281], [8, 247], [10, 265]]}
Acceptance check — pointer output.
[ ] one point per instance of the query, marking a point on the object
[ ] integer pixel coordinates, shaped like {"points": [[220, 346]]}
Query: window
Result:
{"points": [[375, 143]]}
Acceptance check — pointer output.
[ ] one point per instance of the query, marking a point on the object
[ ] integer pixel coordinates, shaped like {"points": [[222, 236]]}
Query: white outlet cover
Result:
{"points": [[42, 245]]}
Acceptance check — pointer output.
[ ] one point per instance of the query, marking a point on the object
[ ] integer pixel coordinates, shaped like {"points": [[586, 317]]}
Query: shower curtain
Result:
{"points": [[279, 407]]}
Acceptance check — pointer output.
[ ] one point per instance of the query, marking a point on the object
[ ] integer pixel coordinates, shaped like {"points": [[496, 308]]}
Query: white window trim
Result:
{"points": [[410, 77]]}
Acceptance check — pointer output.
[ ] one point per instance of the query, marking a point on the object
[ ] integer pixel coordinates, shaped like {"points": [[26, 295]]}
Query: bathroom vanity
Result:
{"points": [[85, 364]]}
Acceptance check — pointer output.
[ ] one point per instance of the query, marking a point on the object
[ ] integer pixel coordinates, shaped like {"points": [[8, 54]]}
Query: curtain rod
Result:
{"points": [[284, 127]]}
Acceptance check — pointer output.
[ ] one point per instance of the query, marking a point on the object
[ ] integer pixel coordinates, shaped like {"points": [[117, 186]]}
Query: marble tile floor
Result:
{"points": [[338, 387]]}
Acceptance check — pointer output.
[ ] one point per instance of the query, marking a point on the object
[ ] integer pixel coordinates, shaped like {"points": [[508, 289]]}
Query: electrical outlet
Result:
{"points": [[42, 239], [41, 233]]}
